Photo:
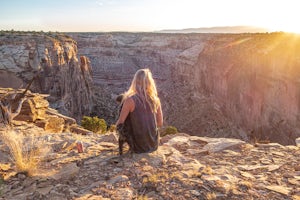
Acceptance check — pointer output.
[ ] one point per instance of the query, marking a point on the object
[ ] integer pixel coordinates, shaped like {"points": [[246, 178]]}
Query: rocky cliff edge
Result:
{"points": [[183, 167]]}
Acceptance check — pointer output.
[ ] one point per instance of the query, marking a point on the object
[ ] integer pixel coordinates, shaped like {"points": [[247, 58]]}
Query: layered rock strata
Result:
{"points": [[35, 110], [53, 59], [222, 85]]}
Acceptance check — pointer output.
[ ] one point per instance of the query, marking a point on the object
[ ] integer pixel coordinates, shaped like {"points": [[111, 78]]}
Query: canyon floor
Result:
{"points": [[183, 167]]}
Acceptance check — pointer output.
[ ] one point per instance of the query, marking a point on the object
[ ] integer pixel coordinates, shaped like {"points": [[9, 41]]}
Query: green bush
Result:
{"points": [[94, 124], [169, 130]]}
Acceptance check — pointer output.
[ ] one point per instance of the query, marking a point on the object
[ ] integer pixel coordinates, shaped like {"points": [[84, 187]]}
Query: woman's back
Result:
{"points": [[144, 131], [143, 109]]}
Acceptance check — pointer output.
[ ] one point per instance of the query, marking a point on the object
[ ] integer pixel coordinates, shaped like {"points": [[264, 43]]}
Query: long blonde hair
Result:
{"points": [[143, 84]]}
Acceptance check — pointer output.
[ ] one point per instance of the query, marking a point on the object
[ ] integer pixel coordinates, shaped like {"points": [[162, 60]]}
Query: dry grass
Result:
{"points": [[154, 179], [244, 186], [210, 196], [142, 198], [206, 171], [26, 152]]}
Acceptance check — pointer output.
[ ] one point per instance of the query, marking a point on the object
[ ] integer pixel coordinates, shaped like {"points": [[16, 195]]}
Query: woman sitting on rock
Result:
{"points": [[141, 105]]}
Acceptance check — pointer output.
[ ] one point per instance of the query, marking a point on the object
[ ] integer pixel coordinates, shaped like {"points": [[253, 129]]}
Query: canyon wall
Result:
{"points": [[52, 59], [221, 85], [254, 78]]}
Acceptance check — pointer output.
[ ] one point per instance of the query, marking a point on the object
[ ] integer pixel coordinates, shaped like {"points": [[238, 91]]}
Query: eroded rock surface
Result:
{"points": [[62, 75], [241, 86], [183, 167], [219, 85], [36, 110]]}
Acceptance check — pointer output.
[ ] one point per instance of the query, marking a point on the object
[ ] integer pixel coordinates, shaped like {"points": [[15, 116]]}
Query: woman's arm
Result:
{"points": [[159, 117], [128, 106]]}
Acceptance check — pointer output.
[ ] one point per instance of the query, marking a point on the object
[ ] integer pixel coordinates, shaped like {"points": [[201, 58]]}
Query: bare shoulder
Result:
{"points": [[128, 100], [129, 103]]}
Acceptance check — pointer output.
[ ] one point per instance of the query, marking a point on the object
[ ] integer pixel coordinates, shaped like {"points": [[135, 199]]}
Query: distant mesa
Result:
{"points": [[218, 29]]}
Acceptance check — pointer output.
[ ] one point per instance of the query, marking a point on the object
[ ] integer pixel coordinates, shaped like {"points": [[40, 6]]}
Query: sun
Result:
{"points": [[292, 28], [286, 22], [288, 27]]}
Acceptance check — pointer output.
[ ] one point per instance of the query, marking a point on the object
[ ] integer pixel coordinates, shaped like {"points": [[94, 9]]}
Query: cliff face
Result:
{"points": [[253, 78], [53, 57], [221, 85]]}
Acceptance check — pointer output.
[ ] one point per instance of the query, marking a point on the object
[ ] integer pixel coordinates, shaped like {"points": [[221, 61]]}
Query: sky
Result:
{"points": [[146, 15]]}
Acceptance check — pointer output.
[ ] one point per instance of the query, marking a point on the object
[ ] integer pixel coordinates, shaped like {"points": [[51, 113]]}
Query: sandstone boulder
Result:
{"points": [[54, 124]]}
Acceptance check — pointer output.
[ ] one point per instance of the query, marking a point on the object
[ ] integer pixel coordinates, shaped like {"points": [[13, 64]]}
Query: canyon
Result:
{"points": [[222, 85], [241, 86], [233, 97]]}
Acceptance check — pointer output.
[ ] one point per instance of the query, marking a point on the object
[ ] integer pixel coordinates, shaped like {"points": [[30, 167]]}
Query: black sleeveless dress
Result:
{"points": [[144, 130]]}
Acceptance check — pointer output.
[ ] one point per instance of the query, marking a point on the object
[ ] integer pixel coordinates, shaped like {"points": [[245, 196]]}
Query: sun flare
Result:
{"points": [[290, 27]]}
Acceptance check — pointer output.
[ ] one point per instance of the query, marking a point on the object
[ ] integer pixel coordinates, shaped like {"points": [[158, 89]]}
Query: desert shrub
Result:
{"points": [[170, 130], [26, 152], [94, 124]]}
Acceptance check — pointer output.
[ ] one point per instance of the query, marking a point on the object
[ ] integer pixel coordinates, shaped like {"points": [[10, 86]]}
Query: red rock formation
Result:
{"points": [[220, 85], [67, 80], [254, 79]]}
